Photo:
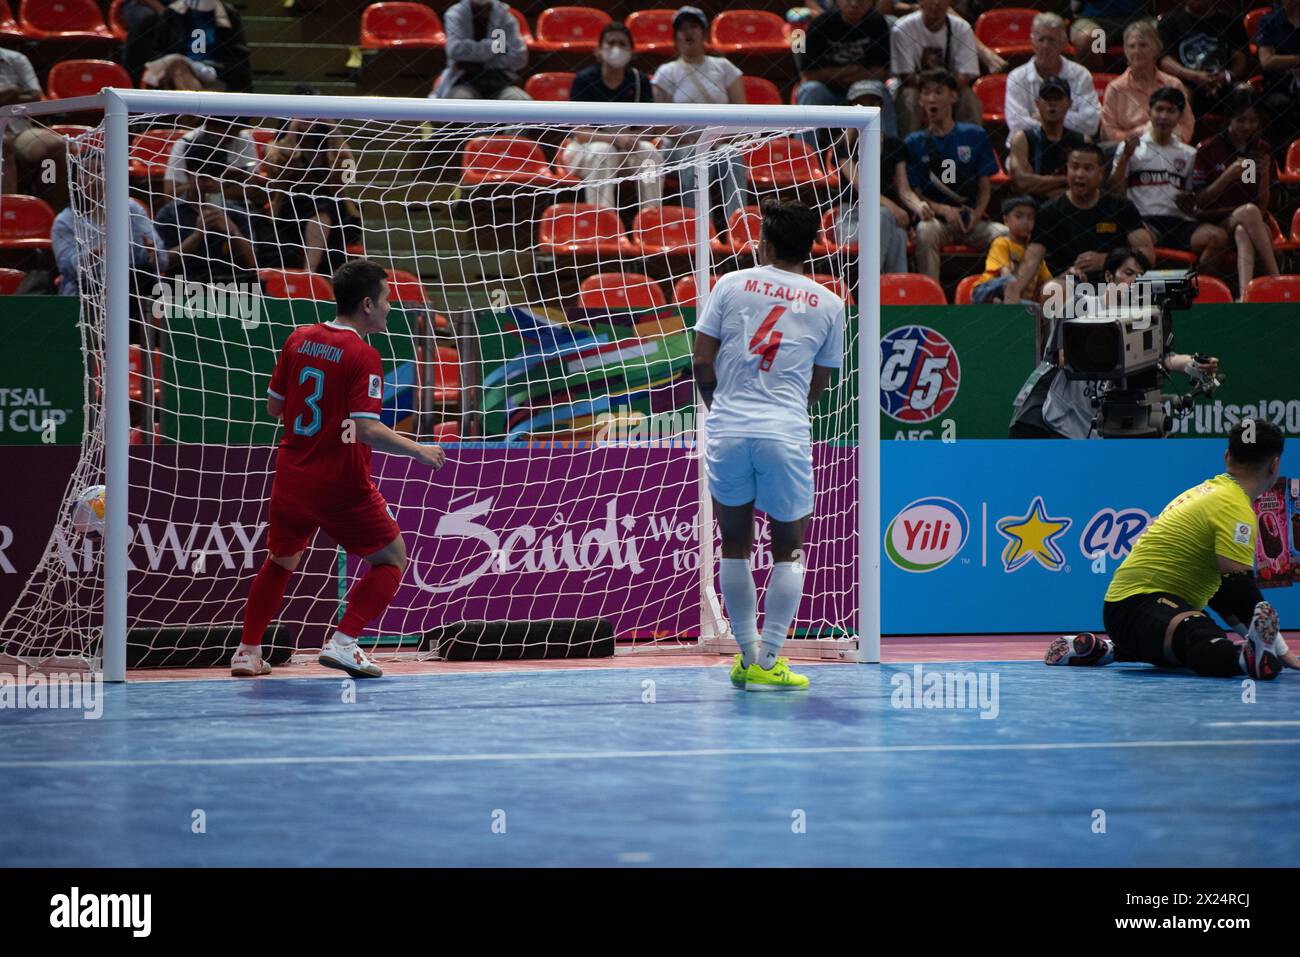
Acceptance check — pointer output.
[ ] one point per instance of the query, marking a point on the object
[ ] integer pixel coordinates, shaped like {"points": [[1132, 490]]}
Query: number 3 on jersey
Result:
{"points": [[318, 389], [767, 340]]}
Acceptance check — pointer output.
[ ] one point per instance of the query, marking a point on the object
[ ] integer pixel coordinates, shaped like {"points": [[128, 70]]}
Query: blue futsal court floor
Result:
{"points": [[596, 767]]}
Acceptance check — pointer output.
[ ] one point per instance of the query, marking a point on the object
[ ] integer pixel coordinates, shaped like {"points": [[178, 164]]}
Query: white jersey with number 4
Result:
{"points": [[773, 326]]}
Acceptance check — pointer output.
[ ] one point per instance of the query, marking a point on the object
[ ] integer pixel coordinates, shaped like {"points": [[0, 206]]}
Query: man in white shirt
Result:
{"points": [[929, 38], [233, 137], [766, 344], [27, 146], [1047, 34], [1155, 167], [696, 78]]}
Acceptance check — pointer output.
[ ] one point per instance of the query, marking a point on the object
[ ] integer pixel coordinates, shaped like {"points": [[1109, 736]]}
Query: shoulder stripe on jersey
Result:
{"points": [[275, 395], [363, 415]]}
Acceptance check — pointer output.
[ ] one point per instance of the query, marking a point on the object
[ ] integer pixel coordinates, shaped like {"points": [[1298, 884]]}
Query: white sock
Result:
{"points": [[741, 598], [784, 589], [342, 639], [250, 649]]}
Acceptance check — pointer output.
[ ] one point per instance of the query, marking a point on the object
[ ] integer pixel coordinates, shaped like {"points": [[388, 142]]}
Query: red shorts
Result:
{"points": [[362, 528]]}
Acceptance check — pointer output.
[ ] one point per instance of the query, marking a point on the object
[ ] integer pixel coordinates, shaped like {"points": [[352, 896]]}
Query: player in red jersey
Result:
{"points": [[328, 386]]}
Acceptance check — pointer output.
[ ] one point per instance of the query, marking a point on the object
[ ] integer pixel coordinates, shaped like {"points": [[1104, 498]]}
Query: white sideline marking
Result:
{"points": [[1251, 724], [627, 755]]}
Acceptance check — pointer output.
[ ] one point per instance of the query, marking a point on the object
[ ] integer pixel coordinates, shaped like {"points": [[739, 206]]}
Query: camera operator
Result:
{"points": [[1066, 410]]}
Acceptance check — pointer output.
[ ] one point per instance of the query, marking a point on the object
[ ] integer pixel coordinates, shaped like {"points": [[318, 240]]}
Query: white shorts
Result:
{"points": [[775, 474]]}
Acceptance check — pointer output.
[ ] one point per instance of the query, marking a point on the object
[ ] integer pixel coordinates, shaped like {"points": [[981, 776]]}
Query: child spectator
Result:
{"points": [[1006, 252]]}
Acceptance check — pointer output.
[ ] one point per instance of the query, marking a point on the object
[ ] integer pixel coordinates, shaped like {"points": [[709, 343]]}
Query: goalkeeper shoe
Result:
{"points": [[348, 656], [245, 664], [1258, 652], [738, 673], [779, 678], [1084, 649]]}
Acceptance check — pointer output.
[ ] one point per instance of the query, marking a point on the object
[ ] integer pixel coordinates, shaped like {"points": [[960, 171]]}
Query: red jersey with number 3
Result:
{"points": [[773, 326], [326, 373]]}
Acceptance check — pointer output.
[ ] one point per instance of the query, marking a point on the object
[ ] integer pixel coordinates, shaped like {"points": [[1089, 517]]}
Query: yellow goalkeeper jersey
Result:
{"points": [[1177, 553]]}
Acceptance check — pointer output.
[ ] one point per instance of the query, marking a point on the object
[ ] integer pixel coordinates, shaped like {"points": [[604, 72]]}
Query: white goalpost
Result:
{"points": [[541, 333]]}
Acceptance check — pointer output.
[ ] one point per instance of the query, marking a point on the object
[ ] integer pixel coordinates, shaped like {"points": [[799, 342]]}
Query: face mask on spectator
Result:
{"points": [[616, 56]]}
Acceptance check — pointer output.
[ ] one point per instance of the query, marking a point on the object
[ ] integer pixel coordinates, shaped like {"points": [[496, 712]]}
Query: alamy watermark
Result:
{"points": [[76, 691], [950, 690]]}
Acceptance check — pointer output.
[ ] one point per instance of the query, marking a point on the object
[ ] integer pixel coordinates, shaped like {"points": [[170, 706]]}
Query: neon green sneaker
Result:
{"points": [[737, 674], [780, 678]]}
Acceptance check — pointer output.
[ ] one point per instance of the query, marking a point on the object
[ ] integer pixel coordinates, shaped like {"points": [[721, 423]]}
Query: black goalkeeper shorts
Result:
{"points": [[1137, 625]]}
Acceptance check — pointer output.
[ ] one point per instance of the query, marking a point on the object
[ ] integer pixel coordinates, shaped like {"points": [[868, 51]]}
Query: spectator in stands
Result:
{"points": [[933, 37], [695, 78], [896, 196], [1124, 109], [28, 147], [843, 46], [73, 251], [1074, 232], [1155, 167], [1278, 40], [1036, 161], [1230, 186], [486, 53], [949, 165], [603, 155], [1096, 27], [208, 237], [233, 136], [1047, 34], [142, 18], [199, 45], [1006, 253], [1207, 49]]}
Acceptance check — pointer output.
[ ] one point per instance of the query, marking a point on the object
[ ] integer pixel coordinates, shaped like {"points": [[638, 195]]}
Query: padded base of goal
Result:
{"points": [[521, 640], [200, 647]]}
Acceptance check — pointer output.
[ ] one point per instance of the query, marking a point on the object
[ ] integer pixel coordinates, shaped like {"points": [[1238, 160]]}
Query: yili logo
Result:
{"points": [[927, 534]]}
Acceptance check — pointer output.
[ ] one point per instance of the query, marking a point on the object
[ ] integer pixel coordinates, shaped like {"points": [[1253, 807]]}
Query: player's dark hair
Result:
{"points": [[791, 228], [1122, 254], [616, 26], [207, 156], [1092, 149], [355, 280], [1267, 443], [1169, 94], [939, 76], [1015, 202]]}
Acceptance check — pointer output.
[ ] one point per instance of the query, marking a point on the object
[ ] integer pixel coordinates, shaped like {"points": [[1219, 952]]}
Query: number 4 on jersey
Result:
{"points": [[767, 340]]}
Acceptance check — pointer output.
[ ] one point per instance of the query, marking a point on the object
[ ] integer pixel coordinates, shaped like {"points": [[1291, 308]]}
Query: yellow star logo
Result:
{"points": [[1032, 536]]}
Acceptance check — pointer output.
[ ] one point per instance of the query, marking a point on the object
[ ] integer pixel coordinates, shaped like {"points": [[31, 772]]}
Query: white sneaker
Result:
{"points": [[245, 664], [348, 656]]}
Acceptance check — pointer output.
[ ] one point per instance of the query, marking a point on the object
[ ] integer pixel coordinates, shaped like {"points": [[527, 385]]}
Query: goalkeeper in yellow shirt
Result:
{"points": [[1199, 552]]}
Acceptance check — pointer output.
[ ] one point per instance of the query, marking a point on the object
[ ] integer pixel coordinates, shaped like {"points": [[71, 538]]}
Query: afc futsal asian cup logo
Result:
{"points": [[919, 374], [927, 534]]}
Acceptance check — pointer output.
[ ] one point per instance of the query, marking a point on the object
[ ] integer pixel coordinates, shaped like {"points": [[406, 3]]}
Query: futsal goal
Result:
{"points": [[546, 264]]}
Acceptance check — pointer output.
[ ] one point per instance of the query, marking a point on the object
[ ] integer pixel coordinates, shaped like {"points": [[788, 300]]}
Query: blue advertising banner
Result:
{"points": [[994, 536]]}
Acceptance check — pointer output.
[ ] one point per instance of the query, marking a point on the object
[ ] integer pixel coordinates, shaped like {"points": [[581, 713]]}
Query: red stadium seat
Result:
{"points": [[10, 280], [150, 151], [295, 284], [525, 30], [117, 24], [761, 92], [401, 25], [25, 222], [570, 28], [1006, 31], [833, 284], [1166, 255], [405, 287], [581, 229], [742, 232], [504, 159], [1212, 290], [549, 86], [1273, 289], [652, 31], [686, 292], [617, 290], [964, 290], [62, 20], [1102, 80], [9, 29], [663, 230], [263, 136], [910, 289], [446, 376], [992, 93], [135, 360], [85, 78], [828, 241], [784, 162], [749, 31], [1287, 245], [1251, 24], [445, 432], [1290, 173]]}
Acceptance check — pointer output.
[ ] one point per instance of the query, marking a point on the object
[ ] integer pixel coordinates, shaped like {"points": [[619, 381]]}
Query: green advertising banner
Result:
{"points": [[41, 373]]}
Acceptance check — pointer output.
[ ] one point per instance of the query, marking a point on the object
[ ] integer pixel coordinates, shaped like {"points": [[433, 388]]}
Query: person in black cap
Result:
{"points": [[696, 78], [843, 46], [1036, 160]]}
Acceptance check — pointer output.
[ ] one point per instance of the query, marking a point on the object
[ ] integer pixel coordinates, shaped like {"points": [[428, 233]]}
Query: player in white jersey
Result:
{"points": [[766, 343]]}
